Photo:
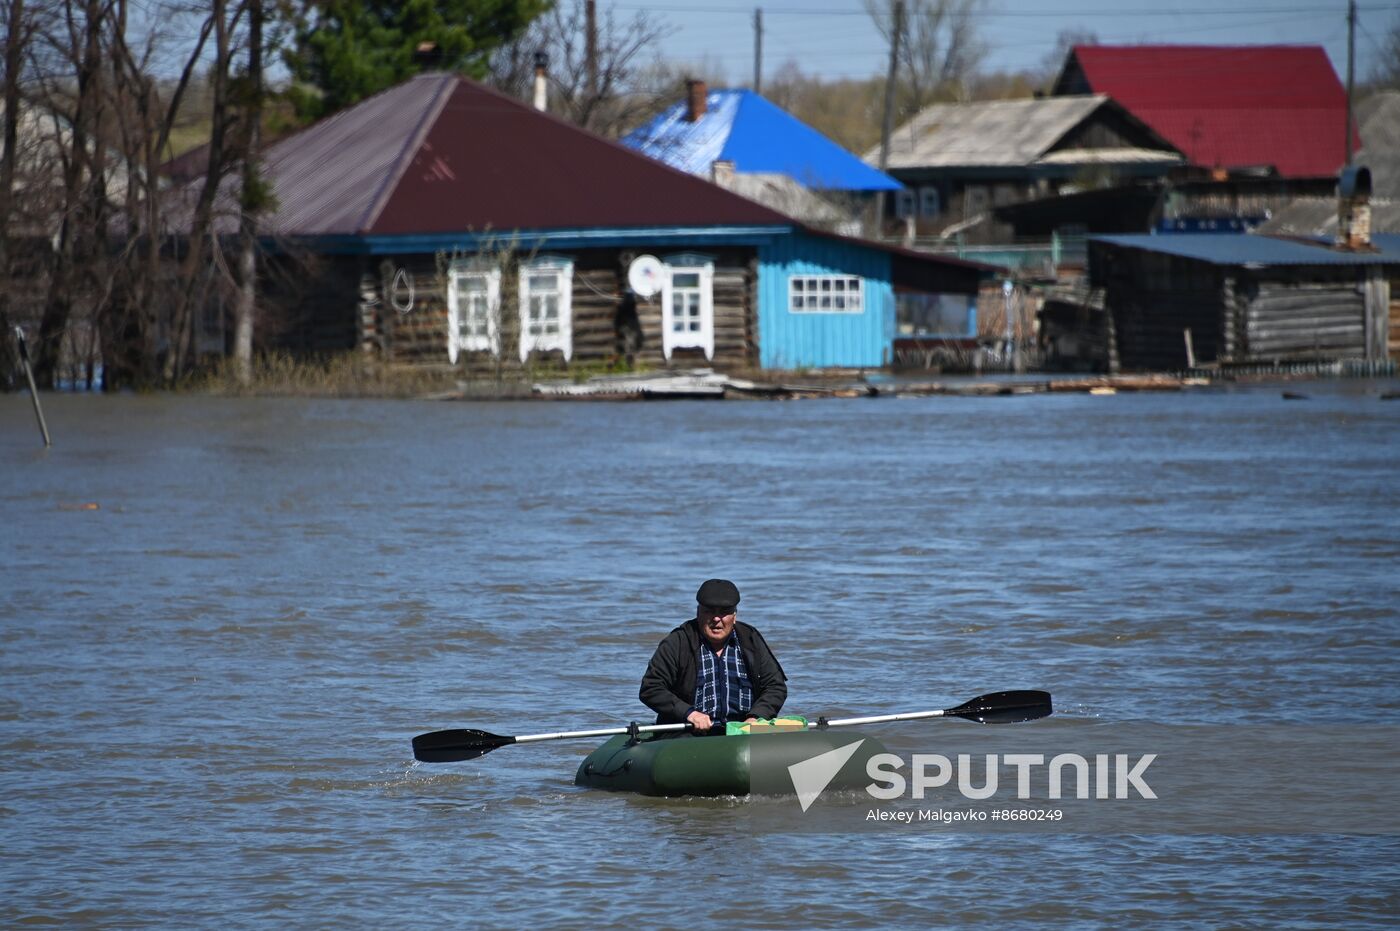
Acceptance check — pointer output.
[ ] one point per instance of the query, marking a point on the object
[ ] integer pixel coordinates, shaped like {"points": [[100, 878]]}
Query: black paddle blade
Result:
{"points": [[452, 746], [1005, 707]]}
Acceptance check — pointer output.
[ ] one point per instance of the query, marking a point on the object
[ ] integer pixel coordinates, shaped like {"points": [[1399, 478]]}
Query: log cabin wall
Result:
{"points": [[396, 307], [1154, 298], [413, 309], [1393, 339], [1301, 313], [735, 310]]}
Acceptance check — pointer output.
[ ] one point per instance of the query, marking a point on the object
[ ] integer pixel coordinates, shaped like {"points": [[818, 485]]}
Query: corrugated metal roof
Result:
{"points": [[363, 149], [489, 161], [1389, 244], [996, 132], [1229, 106], [1248, 249], [755, 134], [442, 155]]}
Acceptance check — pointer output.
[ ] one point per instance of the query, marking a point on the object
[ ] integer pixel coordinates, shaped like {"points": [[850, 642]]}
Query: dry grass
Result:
{"points": [[346, 375]]}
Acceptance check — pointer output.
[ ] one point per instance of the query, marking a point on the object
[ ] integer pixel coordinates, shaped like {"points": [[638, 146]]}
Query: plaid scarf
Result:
{"points": [[723, 694]]}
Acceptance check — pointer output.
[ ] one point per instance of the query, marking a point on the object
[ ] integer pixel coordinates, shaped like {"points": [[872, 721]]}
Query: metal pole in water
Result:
{"points": [[1007, 289], [33, 391]]}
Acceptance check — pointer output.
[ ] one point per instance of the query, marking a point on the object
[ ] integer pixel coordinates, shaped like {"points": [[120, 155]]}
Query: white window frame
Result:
{"points": [[456, 342], [564, 278], [803, 288], [903, 203], [704, 338]]}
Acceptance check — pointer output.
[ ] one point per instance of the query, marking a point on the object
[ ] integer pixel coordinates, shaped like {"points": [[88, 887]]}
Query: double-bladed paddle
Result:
{"points": [[996, 708]]}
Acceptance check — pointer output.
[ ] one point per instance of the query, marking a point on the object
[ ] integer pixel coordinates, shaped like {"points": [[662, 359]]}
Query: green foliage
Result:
{"points": [[257, 195], [347, 50]]}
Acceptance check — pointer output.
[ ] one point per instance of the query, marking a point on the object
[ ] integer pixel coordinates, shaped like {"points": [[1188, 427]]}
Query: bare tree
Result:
{"points": [[628, 85], [18, 28], [938, 51], [132, 322], [254, 195], [200, 242], [1054, 60], [77, 41], [1385, 73]]}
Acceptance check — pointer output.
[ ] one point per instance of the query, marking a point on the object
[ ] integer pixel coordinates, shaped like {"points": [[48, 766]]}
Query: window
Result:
{"points": [[929, 202], [975, 199], [903, 204], [687, 309], [944, 315], [473, 311], [685, 302], [825, 294], [545, 318]]}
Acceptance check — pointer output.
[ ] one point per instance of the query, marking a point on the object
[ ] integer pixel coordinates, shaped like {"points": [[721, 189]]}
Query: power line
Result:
{"points": [[1003, 14]]}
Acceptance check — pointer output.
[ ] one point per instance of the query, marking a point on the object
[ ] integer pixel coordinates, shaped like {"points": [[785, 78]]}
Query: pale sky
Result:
{"points": [[835, 38]]}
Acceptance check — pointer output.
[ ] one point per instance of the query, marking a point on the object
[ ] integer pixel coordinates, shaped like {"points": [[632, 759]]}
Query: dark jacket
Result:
{"points": [[668, 687]]}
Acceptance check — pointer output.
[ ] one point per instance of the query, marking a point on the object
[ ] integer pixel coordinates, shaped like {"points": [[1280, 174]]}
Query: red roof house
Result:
{"points": [[1225, 106], [440, 218]]}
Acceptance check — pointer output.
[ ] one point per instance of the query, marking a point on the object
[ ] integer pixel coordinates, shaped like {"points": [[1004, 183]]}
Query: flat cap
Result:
{"points": [[718, 593]]}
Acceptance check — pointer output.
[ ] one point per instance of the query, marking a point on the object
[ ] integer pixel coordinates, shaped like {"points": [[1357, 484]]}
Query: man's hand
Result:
{"points": [[751, 720], [699, 720]]}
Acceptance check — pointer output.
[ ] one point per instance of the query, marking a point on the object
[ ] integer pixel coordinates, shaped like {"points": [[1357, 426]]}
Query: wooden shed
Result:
{"points": [[1240, 298]]}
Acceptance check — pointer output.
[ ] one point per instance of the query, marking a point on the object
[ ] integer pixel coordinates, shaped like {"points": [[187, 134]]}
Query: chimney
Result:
{"points": [[1354, 209], [541, 81], [696, 97], [722, 173], [428, 56]]}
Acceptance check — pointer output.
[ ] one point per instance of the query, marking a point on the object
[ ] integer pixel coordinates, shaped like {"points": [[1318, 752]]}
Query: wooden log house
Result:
{"points": [[443, 223]]}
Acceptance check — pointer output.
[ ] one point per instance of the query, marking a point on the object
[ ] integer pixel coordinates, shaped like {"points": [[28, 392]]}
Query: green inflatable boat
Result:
{"points": [[734, 764]]}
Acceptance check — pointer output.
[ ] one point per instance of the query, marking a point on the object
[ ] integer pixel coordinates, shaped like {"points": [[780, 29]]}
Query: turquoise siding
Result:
{"points": [[789, 340]]}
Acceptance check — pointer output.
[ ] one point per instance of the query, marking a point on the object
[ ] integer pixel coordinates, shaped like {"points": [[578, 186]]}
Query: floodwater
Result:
{"points": [[209, 682]]}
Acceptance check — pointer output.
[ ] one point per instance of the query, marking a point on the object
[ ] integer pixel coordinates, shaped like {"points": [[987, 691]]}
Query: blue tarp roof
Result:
{"points": [[740, 126], [1254, 249]]}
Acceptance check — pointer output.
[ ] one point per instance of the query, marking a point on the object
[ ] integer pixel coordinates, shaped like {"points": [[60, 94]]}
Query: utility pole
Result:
{"points": [[758, 50], [1351, 69], [591, 48], [888, 126]]}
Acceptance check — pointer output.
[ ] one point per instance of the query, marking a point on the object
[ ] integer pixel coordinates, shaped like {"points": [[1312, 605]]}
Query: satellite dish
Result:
{"points": [[645, 275]]}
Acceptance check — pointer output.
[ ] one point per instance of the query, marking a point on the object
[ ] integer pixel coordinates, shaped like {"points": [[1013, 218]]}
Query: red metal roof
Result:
{"points": [[1228, 106], [488, 161]]}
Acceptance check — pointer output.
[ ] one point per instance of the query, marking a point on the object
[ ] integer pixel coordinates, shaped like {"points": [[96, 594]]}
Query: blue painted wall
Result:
{"points": [[789, 340]]}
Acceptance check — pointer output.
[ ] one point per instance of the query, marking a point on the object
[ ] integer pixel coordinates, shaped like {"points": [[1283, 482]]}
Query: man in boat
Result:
{"points": [[714, 668]]}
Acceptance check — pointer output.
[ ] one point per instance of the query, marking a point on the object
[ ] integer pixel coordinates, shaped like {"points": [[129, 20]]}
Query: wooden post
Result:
{"points": [[758, 50], [887, 124], [590, 9], [1376, 318], [1351, 72], [33, 391]]}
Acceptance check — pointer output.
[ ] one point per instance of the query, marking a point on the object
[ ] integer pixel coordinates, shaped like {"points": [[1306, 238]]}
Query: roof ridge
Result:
{"points": [[412, 144]]}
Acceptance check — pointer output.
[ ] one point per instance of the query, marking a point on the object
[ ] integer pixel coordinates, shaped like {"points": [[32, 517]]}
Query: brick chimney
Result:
{"points": [[1354, 209], [696, 94]]}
